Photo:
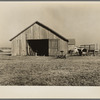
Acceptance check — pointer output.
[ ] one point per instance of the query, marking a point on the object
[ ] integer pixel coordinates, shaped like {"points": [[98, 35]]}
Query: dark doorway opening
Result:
{"points": [[38, 46]]}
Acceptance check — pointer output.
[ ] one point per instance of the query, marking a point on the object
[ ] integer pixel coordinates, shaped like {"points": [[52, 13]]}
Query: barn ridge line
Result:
{"points": [[44, 26]]}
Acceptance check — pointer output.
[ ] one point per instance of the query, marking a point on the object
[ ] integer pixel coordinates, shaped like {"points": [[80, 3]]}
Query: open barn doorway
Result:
{"points": [[38, 46]]}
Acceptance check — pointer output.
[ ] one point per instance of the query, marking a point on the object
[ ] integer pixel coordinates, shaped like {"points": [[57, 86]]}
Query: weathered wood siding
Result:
{"points": [[21, 47], [38, 32], [53, 46]]}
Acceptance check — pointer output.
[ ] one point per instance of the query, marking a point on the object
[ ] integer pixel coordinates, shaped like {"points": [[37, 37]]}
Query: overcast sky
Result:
{"points": [[79, 20]]}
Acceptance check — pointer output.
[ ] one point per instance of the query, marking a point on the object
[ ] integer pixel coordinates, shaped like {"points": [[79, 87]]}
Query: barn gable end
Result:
{"points": [[22, 44]]}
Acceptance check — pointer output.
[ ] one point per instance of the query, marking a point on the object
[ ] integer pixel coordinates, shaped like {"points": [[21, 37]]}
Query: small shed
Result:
{"points": [[40, 39], [71, 44]]}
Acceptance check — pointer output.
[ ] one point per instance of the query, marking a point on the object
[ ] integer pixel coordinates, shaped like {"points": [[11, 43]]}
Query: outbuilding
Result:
{"points": [[71, 44], [38, 39]]}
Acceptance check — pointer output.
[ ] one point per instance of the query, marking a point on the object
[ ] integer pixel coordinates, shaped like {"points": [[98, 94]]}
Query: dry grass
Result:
{"points": [[29, 70]]}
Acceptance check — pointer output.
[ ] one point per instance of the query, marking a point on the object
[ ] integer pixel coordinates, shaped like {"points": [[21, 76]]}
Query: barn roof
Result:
{"points": [[43, 27]]}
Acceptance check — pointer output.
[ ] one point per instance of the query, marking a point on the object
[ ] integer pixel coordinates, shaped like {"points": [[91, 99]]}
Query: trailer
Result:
{"points": [[93, 49]]}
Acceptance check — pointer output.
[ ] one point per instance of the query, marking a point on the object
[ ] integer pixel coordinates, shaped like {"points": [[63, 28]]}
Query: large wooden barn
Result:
{"points": [[40, 39]]}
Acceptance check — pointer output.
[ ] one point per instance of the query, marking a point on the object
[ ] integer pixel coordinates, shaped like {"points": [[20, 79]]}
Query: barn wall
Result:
{"points": [[21, 47], [23, 44], [53, 46], [57, 45], [15, 49], [38, 32]]}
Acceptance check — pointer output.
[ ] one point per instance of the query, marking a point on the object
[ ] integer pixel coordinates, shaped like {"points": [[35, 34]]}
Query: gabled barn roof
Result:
{"points": [[43, 27]]}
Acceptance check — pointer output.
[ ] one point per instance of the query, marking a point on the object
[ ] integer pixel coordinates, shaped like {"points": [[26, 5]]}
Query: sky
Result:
{"points": [[78, 20]]}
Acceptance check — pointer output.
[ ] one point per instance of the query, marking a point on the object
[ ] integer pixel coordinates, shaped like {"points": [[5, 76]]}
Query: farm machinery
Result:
{"points": [[85, 50], [92, 49]]}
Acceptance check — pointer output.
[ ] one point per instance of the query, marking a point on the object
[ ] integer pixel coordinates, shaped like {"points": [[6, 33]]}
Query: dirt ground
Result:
{"points": [[49, 71]]}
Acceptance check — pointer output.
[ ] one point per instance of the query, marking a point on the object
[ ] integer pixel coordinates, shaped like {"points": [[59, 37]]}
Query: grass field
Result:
{"points": [[49, 71]]}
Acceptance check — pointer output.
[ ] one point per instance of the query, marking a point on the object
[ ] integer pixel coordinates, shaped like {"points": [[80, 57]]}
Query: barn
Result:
{"points": [[38, 39]]}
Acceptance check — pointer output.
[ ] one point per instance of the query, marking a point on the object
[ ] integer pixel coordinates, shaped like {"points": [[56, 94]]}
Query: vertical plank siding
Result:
{"points": [[53, 47], [20, 45], [38, 32], [12, 49], [23, 44]]}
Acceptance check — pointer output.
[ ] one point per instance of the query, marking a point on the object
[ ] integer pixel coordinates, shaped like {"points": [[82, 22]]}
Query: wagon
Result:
{"points": [[93, 49]]}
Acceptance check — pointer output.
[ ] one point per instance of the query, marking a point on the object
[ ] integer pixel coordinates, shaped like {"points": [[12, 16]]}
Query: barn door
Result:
{"points": [[53, 46]]}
